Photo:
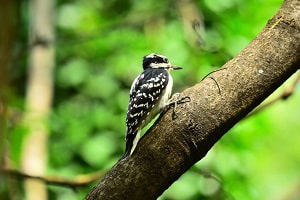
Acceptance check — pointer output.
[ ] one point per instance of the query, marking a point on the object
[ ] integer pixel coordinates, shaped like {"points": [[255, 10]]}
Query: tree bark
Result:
{"points": [[38, 95], [8, 29], [171, 147]]}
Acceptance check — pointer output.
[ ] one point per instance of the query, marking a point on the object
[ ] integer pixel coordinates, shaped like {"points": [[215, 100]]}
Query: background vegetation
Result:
{"points": [[99, 48]]}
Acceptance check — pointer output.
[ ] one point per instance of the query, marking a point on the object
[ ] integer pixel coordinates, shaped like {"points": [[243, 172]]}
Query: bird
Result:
{"points": [[149, 95]]}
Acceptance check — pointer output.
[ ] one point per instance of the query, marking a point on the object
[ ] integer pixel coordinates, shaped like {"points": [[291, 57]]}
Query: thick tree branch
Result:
{"points": [[171, 147]]}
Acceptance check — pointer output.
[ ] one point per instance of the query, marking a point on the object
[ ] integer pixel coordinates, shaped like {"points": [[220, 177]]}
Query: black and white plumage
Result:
{"points": [[149, 95]]}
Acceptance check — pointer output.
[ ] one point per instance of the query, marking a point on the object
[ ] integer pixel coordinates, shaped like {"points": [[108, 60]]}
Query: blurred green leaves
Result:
{"points": [[99, 50], [98, 149], [74, 73], [103, 87]]}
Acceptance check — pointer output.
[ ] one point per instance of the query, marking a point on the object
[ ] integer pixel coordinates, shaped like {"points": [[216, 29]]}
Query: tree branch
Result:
{"points": [[288, 91], [171, 147], [78, 181]]}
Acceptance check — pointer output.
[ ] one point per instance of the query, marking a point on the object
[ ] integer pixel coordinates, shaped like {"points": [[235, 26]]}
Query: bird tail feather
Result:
{"points": [[131, 142]]}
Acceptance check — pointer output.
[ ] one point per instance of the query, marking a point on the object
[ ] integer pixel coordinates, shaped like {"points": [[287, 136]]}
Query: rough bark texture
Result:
{"points": [[171, 147]]}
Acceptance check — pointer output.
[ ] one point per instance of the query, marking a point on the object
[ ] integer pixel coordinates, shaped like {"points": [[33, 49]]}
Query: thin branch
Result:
{"points": [[288, 91], [78, 181]]}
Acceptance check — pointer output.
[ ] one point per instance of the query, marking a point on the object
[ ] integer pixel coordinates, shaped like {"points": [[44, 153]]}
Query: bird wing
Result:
{"points": [[145, 92]]}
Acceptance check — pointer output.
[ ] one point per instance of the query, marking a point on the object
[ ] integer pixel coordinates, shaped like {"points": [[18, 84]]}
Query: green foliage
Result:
{"points": [[99, 49]]}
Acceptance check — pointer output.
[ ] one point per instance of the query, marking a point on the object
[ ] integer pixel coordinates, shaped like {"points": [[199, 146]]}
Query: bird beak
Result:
{"points": [[173, 67]]}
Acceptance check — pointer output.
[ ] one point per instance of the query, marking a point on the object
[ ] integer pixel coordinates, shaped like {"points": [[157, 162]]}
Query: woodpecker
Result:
{"points": [[149, 94]]}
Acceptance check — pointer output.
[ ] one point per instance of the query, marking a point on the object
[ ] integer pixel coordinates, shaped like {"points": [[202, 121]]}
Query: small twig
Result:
{"points": [[78, 181], [284, 95], [219, 90], [213, 78], [212, 73]]}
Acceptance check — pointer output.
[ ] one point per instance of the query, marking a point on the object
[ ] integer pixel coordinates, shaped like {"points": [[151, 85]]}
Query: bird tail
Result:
{"points": [[131, 142]]}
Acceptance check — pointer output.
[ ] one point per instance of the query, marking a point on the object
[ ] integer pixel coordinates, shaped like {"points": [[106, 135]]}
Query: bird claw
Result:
{"points": [[175, 100]]}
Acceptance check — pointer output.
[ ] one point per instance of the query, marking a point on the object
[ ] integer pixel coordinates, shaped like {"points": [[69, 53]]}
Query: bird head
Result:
{"points": [[156, 61]]}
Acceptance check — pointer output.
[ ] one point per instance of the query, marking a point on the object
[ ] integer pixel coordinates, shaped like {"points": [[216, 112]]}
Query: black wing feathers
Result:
{"points": [[144, 96]]}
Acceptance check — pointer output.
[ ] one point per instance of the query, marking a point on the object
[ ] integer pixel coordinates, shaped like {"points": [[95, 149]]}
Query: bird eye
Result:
{"points": [[165, 60]]}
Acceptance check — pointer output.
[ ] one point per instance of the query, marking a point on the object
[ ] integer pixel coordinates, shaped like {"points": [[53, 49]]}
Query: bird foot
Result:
{"points": [[175, 100]]}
